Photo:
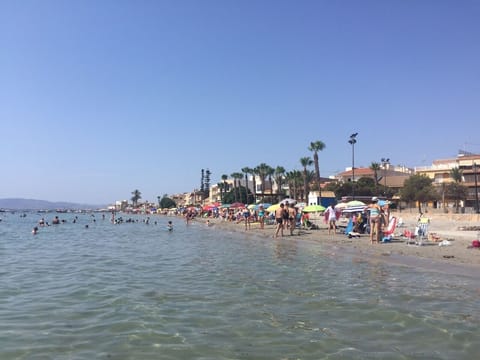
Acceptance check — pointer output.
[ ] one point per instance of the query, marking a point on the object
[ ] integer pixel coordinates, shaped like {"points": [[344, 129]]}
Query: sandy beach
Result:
{"points": [[458, 229]]}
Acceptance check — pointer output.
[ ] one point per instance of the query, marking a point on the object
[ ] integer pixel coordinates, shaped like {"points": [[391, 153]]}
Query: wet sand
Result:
{"points": [[459, 229]]}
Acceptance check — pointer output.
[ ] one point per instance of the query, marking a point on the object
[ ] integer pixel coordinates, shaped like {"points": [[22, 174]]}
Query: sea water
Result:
{"points": [[137, 291]]}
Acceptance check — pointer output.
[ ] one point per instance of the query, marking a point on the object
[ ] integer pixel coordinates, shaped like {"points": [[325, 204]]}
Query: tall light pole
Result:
{"points": [[385, 162], [352, 142], [477, 210]]}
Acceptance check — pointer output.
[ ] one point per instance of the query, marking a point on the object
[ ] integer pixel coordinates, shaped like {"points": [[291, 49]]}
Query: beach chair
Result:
{"points": [[349, 227], [409, 237], [388, 232], [400, 222]]}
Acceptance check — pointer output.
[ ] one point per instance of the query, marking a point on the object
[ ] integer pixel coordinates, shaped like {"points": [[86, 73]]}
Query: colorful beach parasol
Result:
{"points": [[355, 203], [273, 207], [313, 208]]}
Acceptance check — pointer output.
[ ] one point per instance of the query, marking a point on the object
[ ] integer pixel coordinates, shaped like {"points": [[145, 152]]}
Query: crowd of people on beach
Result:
{"points": [[371, 219]]}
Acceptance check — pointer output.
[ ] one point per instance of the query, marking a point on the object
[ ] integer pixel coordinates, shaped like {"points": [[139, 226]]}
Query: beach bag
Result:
{"points": [[476, 243]]}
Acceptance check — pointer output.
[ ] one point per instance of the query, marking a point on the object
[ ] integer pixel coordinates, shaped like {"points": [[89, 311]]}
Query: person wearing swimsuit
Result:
{"points": [[261, 216], [279, 213], [375, 218]]}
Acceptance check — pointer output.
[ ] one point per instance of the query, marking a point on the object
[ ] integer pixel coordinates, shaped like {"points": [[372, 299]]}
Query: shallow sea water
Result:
{"points": [[137, 291]]}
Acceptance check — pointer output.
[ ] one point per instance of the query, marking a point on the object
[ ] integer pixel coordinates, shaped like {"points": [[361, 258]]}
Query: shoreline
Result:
{"points": [[454, 258]]}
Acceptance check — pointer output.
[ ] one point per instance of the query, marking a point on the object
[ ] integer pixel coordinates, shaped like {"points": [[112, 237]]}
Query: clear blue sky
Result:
{"points": [[99, 98]]}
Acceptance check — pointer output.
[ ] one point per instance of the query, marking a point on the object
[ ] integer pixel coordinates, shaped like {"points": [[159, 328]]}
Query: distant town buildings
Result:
{"points": [[391, 176]]}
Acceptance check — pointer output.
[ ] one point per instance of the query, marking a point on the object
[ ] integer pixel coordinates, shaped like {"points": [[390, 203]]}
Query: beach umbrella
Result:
{"points": [[273, 207], [225, 206], [290, 201], [265, 206], [383, 202], [237, 205], [355, 203], [341, 206], [353, 209], [209, 207], [313, 208], [301, 205]]}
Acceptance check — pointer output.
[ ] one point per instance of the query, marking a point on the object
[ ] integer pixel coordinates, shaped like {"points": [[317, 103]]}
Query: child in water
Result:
{"points": [[170, 226]]}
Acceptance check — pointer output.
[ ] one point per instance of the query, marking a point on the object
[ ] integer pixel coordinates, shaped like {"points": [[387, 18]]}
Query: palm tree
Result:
{"points": [[456, 174], [224, 180], [137, 195], [236, 180], [294, 180], [376, 168], [456, 191], [158, 199], [254, 180], [317, 146], [278, 174], [270, 172], [246, 170], [262, 172], [220, 186], [305, 161]]}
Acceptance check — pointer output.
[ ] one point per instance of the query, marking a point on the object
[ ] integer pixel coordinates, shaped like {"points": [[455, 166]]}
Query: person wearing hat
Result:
{"points": [[375, 220]]}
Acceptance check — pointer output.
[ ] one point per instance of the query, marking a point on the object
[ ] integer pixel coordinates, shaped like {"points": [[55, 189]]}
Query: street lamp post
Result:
{"points": [[385, 162], [477, 210], [352, 142]]}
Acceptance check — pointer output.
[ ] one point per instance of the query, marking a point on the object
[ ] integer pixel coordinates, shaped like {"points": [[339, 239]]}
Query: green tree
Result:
{"points": [[167, 203], [279, 175], [418, 188], [225, 185], [254, 184], [263, 171], [315, 147], [137, 195], [305, 162], [294, 180], [456, 191], [246, 170], [365, 186], [236, 184], [375, 166], [456, 174], [221, 186], [270, 173], [244, 195]]}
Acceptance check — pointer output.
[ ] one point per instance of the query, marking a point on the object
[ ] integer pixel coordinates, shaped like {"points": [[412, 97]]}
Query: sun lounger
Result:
{"points": [[388, 232]]}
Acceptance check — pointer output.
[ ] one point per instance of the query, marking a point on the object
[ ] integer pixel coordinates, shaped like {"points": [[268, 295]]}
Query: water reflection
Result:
{"points": [[286, 249]]}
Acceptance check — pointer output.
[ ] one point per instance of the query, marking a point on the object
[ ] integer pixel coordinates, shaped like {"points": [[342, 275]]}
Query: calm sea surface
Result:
{"points": [[137, 291]]}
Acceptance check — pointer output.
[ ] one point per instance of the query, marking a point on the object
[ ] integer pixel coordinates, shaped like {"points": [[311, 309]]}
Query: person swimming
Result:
{"points": [[170, 226]]}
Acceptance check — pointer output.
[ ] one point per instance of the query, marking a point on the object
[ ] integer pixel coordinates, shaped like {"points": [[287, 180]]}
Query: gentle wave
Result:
{"points": [[137, 291]]}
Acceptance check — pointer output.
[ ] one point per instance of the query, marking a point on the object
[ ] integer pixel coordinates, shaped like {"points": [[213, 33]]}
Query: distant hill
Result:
{"points": [[32, 204]]}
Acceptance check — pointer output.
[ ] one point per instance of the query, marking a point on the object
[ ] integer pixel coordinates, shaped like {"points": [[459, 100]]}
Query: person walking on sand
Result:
{"points": [[292, 218], [375, 219], [332, 219], [279, 214]]}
